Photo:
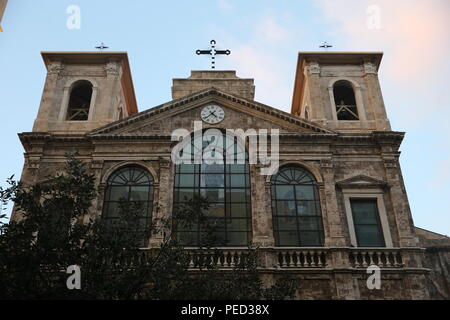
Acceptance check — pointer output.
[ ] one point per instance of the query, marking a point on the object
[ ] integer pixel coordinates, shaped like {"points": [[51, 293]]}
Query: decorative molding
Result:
{"points": [[313, 68], [112, 68], [326, 164], [370, 68], [121, 164], [164, 162], [304, 164], [33, 164], [97, 164], [361, 182], [390, 164], [55, 67]]}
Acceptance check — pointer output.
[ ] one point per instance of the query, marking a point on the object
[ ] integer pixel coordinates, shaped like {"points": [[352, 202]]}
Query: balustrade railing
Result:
{"points": [[382, 257], [292, 258], [299, 258], [220, 258]]}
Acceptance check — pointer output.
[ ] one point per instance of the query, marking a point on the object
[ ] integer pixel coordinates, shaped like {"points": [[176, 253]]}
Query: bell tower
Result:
{"points": [[84, 91], [340, 90]]}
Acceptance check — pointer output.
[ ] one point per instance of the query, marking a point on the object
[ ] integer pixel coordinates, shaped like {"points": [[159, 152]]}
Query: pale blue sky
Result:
{"points": [[264, 37]]}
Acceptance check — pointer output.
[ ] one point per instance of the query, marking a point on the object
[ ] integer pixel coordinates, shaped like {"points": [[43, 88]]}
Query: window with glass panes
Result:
{"points": [[225, 185], [297, 219], [366, 221], [134, 184]]}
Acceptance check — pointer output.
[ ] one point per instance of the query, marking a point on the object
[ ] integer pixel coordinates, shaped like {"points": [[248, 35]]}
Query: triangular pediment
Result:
{"points": [[181, 113], [361, 181]]}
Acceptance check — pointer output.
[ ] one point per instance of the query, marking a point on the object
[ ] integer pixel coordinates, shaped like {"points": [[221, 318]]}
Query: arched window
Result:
{"points": [[345, 102], [297, 219], [225, 185], [134, 184], [79, 101]]}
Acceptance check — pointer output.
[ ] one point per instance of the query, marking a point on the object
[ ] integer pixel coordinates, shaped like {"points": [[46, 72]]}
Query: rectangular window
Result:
{"points": [[367, 224]]}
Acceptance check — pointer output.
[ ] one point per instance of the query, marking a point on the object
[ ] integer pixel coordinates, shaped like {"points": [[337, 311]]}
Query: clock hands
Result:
{"points": [[212, 113]]}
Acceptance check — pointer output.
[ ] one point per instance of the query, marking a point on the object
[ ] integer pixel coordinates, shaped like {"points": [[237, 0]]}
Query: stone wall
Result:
{"points": [[437, 259]]}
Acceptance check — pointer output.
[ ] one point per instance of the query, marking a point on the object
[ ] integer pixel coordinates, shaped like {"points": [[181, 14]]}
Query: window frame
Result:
{"points": [[368, 193], [227, 202], [149, 203], [348, 85], [64, 108], [377, 217], [357, 90], [315, 201]]}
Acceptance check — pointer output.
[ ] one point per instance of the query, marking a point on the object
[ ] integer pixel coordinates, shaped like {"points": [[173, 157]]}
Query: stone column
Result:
{"points": [[261, 209], [317, 112], [97, 203], [331, 210], [48, 102], [375, 97], [262, 224], [162, 211], [104, 109], [30, 171], [346, 287], [400, 204]]}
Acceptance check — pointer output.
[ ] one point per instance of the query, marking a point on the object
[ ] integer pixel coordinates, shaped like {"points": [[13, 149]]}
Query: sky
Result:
{"points": [[264, 37]]}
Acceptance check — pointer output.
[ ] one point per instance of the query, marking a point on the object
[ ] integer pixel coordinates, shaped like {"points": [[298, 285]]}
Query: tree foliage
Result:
{"points": [[57, 229]]}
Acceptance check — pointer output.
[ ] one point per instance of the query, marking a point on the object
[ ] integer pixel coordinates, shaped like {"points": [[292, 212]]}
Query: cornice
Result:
{"points": [[375, 137]]}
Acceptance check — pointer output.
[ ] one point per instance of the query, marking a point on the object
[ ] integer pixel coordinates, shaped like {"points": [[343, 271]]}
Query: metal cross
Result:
{"points": [[325, 46], [213, 52], [101, 47]]}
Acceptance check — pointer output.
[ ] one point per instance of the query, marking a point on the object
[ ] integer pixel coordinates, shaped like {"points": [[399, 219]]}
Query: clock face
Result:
{"points": [[212, 114]]}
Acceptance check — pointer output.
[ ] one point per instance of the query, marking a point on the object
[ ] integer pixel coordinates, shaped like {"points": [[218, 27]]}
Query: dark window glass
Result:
{"points": [[367, 222], [297, 219], [133, 184], [344, 99], [226, 187]]}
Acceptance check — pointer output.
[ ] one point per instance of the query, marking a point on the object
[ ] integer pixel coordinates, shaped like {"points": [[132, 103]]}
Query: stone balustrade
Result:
{"points": [[294, 258], [220, 258], [302, 258], [381, 257]]}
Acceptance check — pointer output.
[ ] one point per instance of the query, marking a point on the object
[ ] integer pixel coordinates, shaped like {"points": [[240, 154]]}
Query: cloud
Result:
{"points": [[414, 36], [267, 70], [262, 59], [270, 31], [224, 5], [415, 33]]}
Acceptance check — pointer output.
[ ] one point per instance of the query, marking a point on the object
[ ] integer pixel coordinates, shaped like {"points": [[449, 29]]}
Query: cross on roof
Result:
{"points": [[213, 52], [325, 46], [101, 47]]}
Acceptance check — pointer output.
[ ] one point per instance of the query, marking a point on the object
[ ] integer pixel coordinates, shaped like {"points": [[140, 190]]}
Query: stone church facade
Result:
{"points": [[336, 205]]}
